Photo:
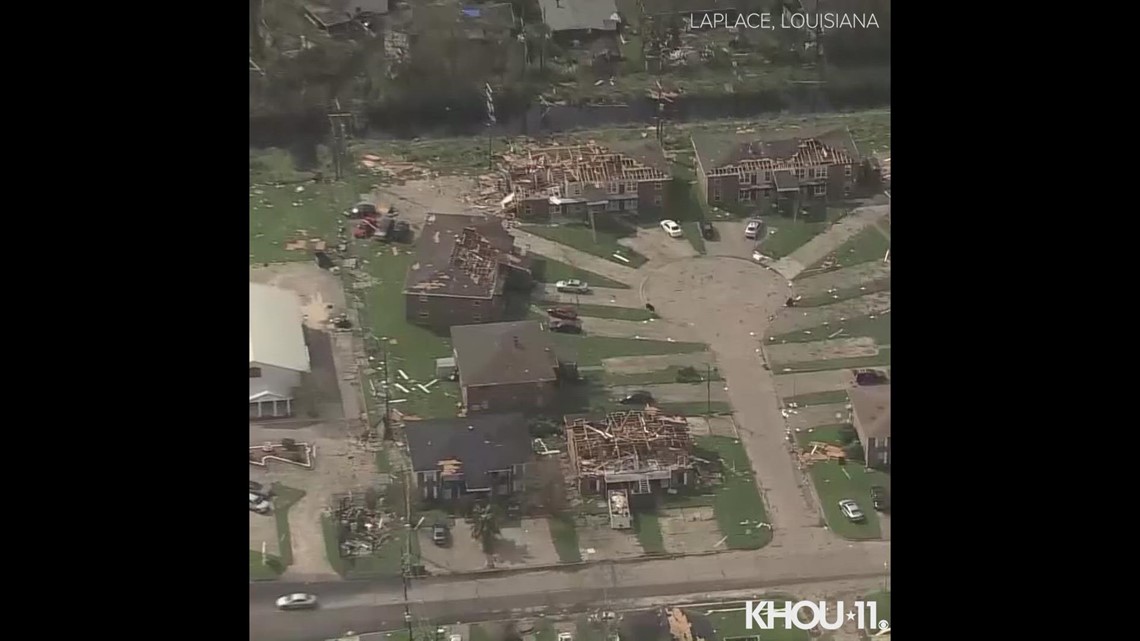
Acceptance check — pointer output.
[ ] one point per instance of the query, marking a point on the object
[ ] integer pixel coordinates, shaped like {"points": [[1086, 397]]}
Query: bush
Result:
{"points": [[289, 444], [854, 452], [689, 374]]}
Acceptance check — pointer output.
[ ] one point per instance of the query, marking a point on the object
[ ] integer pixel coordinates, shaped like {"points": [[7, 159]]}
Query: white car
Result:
{"points": [[258, 503], [753, 229], [573, 286], [759, 257], [565, 636], [297, 601], [850, 509], [672, 228]]}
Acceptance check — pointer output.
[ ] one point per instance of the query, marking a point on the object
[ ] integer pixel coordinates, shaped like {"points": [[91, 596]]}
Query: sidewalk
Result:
{"points": [[819, 247], [577, 258]]}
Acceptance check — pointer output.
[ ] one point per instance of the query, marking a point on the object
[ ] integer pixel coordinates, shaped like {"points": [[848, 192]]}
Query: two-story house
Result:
{"points": [[871, 410], [580, 181], [462, 267], [505, 367], [484, 455], [822, 167]]}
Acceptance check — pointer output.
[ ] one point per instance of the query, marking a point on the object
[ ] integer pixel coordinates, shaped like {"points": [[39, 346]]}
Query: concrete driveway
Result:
{"points": [[597, 296]]}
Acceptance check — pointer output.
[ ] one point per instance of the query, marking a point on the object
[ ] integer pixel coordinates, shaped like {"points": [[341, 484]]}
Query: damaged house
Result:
{"points": [[462, 268], [345, 18], [505, 367], [579, 181], [871, 410], [484, 455], [630, 453], [826, 167], [666, 624]]}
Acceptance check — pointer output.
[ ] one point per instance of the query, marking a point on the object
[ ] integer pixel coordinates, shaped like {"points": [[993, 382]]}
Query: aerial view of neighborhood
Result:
{"points": [[569, 320]]}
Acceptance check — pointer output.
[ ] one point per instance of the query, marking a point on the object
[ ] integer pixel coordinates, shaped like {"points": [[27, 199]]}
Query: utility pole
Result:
{"points": [[490, 123], [340, 121], [708, 389], [593, 226], [407, 558], [387, 391]]}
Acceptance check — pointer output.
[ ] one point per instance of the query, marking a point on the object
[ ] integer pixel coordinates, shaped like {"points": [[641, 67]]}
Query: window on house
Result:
{"points": [[846, 191], [716, 196], [478, 318], [476, 303], [767, 176], [631, 205], [821, 172], [612, 188], [423, 314], [801, 173], [423, 299], [745, 194], [819, 190], [657, 199], [527, 209], [255, 372], [657, 185], [847, 170], [613, 205]]}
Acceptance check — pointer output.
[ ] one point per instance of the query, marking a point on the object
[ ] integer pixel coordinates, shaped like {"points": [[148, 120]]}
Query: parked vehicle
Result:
{"points": [[639, 397], [440, 534], [254, 486], [362, 210], [297, 601], [752, 230], [573, 286], [401, 232], [708, 231], [850, 509], [672, 228], [565, 326], [259, 504], [880, 499], [323, 260], [567, 313], [870, 377]]}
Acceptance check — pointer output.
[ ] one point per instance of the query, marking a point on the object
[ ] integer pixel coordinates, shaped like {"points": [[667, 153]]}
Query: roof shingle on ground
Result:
{"points": [[434, 270], [503, 353], [722, 150], [872, 407], [481, 444]]}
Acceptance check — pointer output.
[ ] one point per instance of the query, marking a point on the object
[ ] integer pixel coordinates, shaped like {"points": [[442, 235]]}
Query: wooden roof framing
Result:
{"points": [[628, 442]]}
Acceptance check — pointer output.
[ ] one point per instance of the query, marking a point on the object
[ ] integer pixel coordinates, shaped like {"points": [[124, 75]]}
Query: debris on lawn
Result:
{"points": [[364, 524]]}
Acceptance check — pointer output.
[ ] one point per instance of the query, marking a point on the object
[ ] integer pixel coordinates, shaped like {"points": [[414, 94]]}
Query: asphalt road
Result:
{"points": [[366, 606]]}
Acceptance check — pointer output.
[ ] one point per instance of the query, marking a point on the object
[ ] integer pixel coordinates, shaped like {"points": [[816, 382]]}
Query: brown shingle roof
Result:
{"points": [[721, 150], [461, 256], [503, 353], [872, 408]]}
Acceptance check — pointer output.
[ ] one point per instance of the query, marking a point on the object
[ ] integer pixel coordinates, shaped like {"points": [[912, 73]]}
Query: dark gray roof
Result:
{"points": [[334, 12], [785, 180], [503, 353], [493, 442], [721, 150], [436, 270], [872, 407], [579, 15], [653, 625]]}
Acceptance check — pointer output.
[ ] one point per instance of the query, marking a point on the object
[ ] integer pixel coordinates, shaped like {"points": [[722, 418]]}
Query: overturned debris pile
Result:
{"points": [[633, 450], [364, 525]]}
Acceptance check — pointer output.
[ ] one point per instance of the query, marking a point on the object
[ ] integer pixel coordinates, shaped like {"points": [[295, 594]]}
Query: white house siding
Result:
{"points": [[271, 394]]}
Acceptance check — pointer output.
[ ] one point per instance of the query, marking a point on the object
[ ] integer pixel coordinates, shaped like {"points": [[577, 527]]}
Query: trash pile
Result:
{"points": [[363, 531]]}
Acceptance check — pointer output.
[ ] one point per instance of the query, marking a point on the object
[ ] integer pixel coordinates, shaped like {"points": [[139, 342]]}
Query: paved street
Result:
{"points": [[368, 606]]}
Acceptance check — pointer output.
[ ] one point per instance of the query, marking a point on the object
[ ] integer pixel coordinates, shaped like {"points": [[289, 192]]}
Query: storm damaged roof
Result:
{"points": [[470, 446], [722, 150], [503, 353], [460, 255]]}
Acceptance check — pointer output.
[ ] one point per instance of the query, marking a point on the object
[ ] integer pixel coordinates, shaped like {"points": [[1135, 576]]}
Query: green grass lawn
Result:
{"points": [[839, 434], [278, 213], [564, 534], [834, 482], [386, 562], [880, 359], [787, 235], [581, 238], [883, 599], [410, 348], [693, 234], [552, 271], [284, 497], [590, 350], [544, 631], [737, 500], [264, 570], [694, 408], [610, 311], [383, 463], [848, 293], [878, 328], [866, 246], [817, 398], [657, 377], [647, 527], [479, 633], [587, 631], [730, 624]]}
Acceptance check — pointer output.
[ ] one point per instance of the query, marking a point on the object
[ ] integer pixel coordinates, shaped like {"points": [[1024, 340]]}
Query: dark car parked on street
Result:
{"points": [[440, 534], [708, 231], [640, 397], [880, 499]]}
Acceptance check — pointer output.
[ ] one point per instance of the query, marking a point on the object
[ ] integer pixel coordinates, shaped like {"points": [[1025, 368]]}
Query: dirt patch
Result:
{"points": [[654, 329], [723, 426], [844, 278], [678, 392], [822, 350], [792, 319], [809, 383], [807, 417], [321, 292], [655, 244], [606, 542], [690, 529], [638, 364]]}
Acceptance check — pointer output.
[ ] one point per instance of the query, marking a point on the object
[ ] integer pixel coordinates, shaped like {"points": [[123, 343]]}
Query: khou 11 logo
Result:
{"points": [[763, 614]]}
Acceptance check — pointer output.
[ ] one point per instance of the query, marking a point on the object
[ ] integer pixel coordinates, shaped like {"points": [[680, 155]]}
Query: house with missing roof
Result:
{"points": [[667, 624], [345, 18], [483, 455], [871, 410], [278, 353], [824, 167], [505, 367], [462, 268], [580, 20]]}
